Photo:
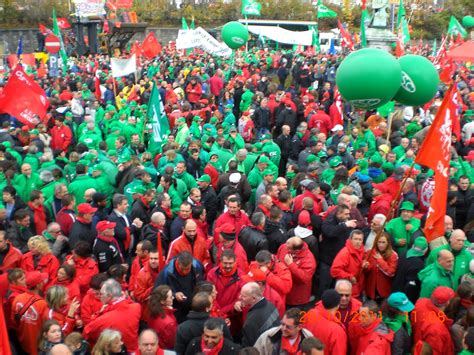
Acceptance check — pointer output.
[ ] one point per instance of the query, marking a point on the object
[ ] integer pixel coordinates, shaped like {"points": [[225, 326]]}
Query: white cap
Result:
{"points": [[337, 127], [234, 178]]}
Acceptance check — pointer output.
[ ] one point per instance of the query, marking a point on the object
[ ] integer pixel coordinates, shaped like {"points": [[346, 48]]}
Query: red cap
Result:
{"points": [[227, 228], [441, 295], [103, 225], [304, 219], [254, 275], [470, 156], [85, 208], [33, 278]]}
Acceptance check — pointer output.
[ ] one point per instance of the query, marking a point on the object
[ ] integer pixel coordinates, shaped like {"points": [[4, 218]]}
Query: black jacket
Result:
{"points": [[297, 145], [284, 142], [150, 233], [228, 348], [261, 317], [139, 210], [252, 240], [243, 188], [262, 118], [19, 236], [335, 234], [209, 200], [192, 328], [406, 278], [81, 231], [106, 253], [120, 231], [276, 235], [176, 228], [287, 117]]}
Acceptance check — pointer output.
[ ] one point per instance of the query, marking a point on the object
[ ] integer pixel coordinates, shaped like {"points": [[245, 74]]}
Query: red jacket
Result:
{"points": [[165, 328], [65, 220], [48, 263], [298, 202], [241, 255], [194, 93], [376, 339], [61, 137], [73, 288], [379, 275], [274, 297], [85, 270], [216, 84], [240, 221], [228, 288], [12, 292], [137, 265], [213, 173], [67, 324], [143, 287], [90, 307], [122, 315], [348, 264], [278, 277], [380, 204], [198, 249], [328, 329], [11, 260], [302, 270], [350, 312], [320, 120], [430, 325]]}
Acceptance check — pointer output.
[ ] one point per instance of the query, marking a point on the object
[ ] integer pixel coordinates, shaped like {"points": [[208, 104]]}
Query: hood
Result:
{"points": [[363, 178], [303, 232], [374, 172], [359, 253]]}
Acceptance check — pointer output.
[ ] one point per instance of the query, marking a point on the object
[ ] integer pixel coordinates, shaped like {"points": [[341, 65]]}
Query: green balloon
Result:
{"points": [[234, 34], [369, 78], [419, 81], [468, 21]]}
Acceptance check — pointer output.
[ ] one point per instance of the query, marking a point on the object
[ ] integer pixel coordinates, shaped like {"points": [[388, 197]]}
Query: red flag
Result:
{"points": [[435, 153], [24, 99], [457, 103], [97, 93], [4, 342], [346, 37], [150, 46], [335, 111], [137, 50], [26, 59], [447, 71], [119, 4], [106, 28], [400, 47], [43, 29], [63, 23]]}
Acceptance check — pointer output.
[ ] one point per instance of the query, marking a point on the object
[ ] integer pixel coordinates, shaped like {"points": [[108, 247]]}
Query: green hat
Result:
{"points": [[311, 158], [89, 156], [229, 106], [322, 154], [469, 113], [84, 86], [264, 159], [407, 206], [144, 107], [400, 301], [214, 120], [336, 161], [267, 172], [181, 119], [197, 118], [110, 108], [54, 92], [258, 145], [376, 158], [208, 126], [132, 103], [266, 136], [419, 248], [455, 164], [137, 189], [388, 166], [205, 178], [362, 163], [68, 114], [34, 131], [123, 159]]}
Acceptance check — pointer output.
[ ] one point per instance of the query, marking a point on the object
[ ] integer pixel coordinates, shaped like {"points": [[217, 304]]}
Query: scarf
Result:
{"points": [[110, 240], [167, 212], [398, 321], [179, 270], [290, 349], [215, 350], [39, 215], [265, 210], [230, 273], [145, 202], [82, 220], [466, 303]]}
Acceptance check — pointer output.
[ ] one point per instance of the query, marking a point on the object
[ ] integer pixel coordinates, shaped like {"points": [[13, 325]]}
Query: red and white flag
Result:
{"points": [[63, 23], [150, 47], [346, 37], [400, 46], [435, 153], [24, 99], [335, 111]]}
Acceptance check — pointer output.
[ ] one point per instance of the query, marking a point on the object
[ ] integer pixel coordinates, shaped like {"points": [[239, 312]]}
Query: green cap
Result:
{"points": [[264, 159], [336, 161], [266, 136], [197, 119], [469, 113], [181, 119], [34, 131], [112, 153], [123, 159], [137, 189], [267, 172], [205, 178], [376, 158], [258, 145], [229, 106], [311, 158], [419, 248], [214, 120], [322, 154], [400, 301], [388, 166], [68, 114], [132, 103], [407, 206]]}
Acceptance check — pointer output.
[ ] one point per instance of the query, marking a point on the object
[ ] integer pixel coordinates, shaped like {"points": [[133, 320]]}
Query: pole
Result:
{"points": [[389, 131], [247, 26]]}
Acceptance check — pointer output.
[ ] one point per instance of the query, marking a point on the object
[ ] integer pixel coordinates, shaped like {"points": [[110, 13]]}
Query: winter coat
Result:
{"points": [[81, 231], [406, 278], [113, 317], [18, 236], [269, 343], [348, 264], [433, 276], [12, 258], [106, 253], [165, 327], [144, 285], [150, 232], [90, 307], [228, 288], [197, 248], [262, 316], [85, 270], [228, 347], [120, 231], [397, 230], [462, 258], [302, 269], [141, 211], [379, 275], [380, 204], [328, 329], [47, 263], [376, 339], [334, 236], [66, 218], [252, 240], [276, 235], [209, 200]]}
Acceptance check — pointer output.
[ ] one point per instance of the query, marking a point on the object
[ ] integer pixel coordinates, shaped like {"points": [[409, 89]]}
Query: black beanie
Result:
{"points": [[330, 299]]}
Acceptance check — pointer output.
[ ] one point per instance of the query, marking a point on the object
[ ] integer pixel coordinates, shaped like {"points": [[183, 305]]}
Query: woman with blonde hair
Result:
{"points": [[40, 258], [109, 343], [61, 309]]}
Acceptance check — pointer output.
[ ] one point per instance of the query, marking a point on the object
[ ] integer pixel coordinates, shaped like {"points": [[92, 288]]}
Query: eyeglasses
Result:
{"points": [[283, 325]]}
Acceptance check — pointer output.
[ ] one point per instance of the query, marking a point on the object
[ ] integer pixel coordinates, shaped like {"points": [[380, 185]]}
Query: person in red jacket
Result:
{"points": [[10, 257], [143, 251], [40, 258], [61, 135], [91, 304], [16, 286], [120, 313], [381, 201], [194, 92], [349, 262], [86, 267], [216, 84], [325, 324], [66, 215], [321, 121], [66, 277], [162, 319], [349, 306], [383, 261], [278, 275], [311, 190], [226, 240], [430, 324], [302, 265], [234, 216], [145, 280], [368, 335], [61, 309], [190, 241]]}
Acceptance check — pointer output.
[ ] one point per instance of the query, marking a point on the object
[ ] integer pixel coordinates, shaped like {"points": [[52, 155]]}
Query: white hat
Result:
{"points": [[234, 178], [337, 127]]}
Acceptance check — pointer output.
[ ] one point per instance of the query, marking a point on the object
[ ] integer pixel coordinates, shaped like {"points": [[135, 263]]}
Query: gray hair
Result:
{"points": [[113, 288], [214, 324], [380, 217], [157, 217], [341, 282], [257, 219]]}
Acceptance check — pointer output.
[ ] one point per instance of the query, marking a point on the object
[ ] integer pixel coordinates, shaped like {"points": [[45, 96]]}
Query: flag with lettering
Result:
{"points": [[346, 37], [156, 116], [24, 99], [455, 27], [435, 154]]}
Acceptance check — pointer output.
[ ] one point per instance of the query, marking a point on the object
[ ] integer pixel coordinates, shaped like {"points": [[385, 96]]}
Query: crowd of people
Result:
{"points": [[270, 220]]}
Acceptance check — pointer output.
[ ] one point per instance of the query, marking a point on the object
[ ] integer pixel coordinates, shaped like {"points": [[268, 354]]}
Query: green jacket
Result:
{"points": [[462, 259], [433, 276], [33, 160], [397, 230], [187, 178], [79, 186], [273, 151], [25, 185], [182, 134], [91, 139], [246, 100]]}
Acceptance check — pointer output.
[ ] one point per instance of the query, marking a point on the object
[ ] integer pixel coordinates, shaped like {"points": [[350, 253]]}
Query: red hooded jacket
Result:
{"points": [[90, 307], [165, 328], [278, 277], [239, 221], [376, 339], [143, 287], [86, 268], [47, 263], [379, 275], [11, 260], [348, 264], [137, 265], [198, 249], [380, 204]]}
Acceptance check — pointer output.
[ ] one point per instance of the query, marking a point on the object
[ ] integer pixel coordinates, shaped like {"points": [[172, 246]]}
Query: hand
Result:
{"points": [[264, 268], [227, 322], [402, 242], [73, 308], [61, 238], [288, 259], [351, 224], [365, 264], [238, 306], [377, 255], [408, 227], [138, 222], [79, 323], [70, 261], [180, 297], [353, 280]]}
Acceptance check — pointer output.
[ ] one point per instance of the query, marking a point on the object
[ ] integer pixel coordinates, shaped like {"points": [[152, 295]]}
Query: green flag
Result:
{"points": [[363, 19], [251, 7], [324, 11], [401, 13], [184, 25], [157, 117], [315, 37], [434, 52], [455, 27], [405, 31], [62, 50], [193, 26]]}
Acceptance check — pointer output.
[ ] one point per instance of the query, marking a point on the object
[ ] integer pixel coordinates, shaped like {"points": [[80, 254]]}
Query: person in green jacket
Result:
{"points": [[401, 229], [142, 182], [246, 100], [270, 147], [395, 317], [462, 256], [180, 173], [440, 273], [81, 183], [26, 182], [182, 131]]}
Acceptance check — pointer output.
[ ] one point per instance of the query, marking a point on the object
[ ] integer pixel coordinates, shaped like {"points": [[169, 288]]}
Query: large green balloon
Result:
{"points": [[234, 34], [419, 81], [468, 21], [369, 78]]}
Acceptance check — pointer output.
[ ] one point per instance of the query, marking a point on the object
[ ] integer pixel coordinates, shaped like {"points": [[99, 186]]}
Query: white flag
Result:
{"points": [[122, 67]]}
